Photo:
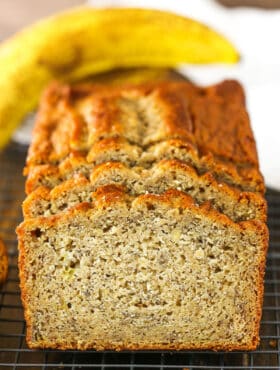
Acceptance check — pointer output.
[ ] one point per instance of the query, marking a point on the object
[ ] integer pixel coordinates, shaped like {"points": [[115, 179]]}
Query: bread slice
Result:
{"points": [[166, 174], [119, 150], [146, 272]]}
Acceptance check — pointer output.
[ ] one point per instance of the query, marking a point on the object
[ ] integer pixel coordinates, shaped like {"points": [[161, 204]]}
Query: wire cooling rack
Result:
{"points": [[14, 353]]}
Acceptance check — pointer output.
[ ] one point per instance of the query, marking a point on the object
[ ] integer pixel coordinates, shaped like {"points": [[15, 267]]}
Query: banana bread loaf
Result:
{"points": [[144, 220]]}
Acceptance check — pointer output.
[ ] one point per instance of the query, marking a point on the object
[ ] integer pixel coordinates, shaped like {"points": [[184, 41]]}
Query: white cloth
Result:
{"points": [[256, 33]]}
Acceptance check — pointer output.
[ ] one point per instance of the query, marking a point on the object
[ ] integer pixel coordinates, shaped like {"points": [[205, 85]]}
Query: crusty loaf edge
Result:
{"points": [[44, 193], [230, 90], [109, 195], [4, 262]]}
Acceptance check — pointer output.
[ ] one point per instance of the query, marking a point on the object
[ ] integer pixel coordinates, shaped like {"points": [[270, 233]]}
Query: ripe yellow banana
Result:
{"points": [[86, 41]]}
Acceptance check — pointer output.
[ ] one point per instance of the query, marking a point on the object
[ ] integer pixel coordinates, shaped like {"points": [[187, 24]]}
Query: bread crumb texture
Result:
{"points": [[144, 223]]}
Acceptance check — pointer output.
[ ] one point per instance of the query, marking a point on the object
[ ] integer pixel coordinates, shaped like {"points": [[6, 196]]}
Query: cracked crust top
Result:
{"points": [[212, 121]]}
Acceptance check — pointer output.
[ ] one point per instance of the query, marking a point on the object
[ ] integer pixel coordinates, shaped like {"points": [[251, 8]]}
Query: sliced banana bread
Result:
{"points": [[164, 175], [207, 127], [144, 221]]}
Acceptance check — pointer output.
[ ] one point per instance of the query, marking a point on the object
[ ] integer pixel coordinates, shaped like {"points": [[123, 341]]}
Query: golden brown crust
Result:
{"points": [[38, 174], [122, 174], [52, 175], [239, 196], [213, 119], [246, 177], [119, 149], [3, 262], [110, 195]]}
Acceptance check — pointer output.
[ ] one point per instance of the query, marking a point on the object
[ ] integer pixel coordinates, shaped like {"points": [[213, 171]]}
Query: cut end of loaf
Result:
{"points": [[126, 264]]}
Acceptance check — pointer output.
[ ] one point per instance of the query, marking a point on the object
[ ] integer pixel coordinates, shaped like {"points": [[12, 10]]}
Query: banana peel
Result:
{"points": [[85, 41], [134, 76]]}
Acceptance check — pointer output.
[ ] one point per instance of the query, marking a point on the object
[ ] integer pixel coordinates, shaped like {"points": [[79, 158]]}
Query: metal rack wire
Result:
{"points": [[14, 353]]}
